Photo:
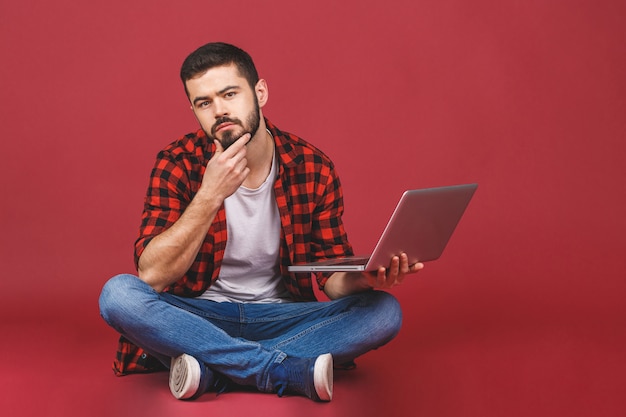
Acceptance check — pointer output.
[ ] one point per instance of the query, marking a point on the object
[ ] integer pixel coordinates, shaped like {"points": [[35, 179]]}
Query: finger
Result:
{"points": [[242, 167], [238, 145], [381, 277], [387, 277], [401, 267], [394, 267], [218, 146], [404, 263], [417, 266]]}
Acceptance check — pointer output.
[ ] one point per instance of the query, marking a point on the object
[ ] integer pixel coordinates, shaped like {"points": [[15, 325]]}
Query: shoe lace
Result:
{"points": [[290, 379]]}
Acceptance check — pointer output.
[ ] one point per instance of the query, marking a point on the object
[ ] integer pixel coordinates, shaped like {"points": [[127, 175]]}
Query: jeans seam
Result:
{"points": [[196, 311], [295, 314], [310, 329]]}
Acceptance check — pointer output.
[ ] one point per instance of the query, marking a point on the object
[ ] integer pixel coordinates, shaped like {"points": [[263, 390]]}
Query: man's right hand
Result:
{"points": [[226, 170]]}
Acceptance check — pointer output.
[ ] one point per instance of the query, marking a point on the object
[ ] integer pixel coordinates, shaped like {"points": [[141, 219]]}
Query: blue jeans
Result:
{"points": [[243, 340]]}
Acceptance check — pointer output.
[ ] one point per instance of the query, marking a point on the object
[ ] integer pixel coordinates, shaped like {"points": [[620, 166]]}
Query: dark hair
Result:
{"points": [[216, 54]]}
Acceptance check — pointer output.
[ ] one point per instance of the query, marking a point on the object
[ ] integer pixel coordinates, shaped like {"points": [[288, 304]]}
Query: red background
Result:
{"points": [[523, 315]]}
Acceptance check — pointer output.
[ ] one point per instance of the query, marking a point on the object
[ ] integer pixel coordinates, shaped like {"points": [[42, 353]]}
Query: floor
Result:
{"points": [[454, 365]]}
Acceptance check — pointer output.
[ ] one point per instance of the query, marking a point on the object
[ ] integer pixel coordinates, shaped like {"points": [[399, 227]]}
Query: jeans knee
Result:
{"points": [[389, 312], [113, 294]]}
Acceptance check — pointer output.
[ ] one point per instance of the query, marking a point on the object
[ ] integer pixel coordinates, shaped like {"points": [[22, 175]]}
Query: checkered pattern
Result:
{"points": [[310, 203]]}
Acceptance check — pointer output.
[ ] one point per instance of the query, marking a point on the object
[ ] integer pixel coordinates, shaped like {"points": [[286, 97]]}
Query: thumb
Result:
{"points": [[218, 145]]}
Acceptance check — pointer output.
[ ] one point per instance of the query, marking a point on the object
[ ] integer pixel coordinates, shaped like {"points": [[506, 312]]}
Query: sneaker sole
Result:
{"points": [[184, 376], [323, 377]]}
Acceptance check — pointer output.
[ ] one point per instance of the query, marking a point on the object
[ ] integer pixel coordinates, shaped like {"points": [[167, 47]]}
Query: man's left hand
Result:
{"points": [[385, 278]]}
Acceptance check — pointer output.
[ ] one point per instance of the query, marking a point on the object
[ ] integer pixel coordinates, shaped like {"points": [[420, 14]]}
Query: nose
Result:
{"points": [[220, 108]]}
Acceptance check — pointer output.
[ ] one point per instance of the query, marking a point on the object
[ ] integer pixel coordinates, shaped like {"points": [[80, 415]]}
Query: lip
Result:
{"points": [[224, 126]]}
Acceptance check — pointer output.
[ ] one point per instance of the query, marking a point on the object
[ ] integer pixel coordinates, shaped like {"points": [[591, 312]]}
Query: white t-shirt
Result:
{"points": [[250, 270]]}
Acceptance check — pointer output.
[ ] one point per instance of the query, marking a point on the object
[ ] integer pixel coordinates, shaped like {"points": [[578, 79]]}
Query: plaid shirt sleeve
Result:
{"points": [[174, 181]]}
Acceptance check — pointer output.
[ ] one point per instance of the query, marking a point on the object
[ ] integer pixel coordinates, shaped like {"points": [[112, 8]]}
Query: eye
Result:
{"points": [[204, 104], [230, 94]]}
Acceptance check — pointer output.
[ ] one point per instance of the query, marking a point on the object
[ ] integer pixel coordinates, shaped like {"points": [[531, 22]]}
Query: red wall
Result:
{"points": [[525, 98]]}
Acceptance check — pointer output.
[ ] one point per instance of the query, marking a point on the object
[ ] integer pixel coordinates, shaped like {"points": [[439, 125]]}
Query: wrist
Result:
{"points": [[342, 284], [209, 201]]}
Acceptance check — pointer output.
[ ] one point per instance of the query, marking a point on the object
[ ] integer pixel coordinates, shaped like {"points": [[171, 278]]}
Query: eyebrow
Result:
{"points": [[222, 91]]}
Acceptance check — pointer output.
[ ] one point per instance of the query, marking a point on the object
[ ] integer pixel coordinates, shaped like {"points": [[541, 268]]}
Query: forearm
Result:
{"points": [[341, 284], [169, 255]]}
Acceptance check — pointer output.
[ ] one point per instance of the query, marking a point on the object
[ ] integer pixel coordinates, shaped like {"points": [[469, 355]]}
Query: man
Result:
{"points": [[228, 208]]}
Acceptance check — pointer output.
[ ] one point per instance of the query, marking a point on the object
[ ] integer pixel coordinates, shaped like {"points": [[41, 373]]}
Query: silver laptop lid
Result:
{"points": [[422, 224]]}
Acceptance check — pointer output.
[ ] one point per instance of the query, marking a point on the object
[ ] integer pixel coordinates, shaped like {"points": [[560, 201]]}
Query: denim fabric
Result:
{"points": [[243, 340]]}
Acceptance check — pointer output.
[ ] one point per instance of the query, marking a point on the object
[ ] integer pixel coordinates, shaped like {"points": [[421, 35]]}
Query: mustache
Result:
{"points": [[224, 119]]}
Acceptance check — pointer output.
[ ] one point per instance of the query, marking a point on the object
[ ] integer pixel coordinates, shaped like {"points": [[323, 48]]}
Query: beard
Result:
{"points": [[229, 137]]}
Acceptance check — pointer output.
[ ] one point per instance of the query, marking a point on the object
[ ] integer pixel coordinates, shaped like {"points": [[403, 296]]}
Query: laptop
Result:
{"points": [[421, 226]]}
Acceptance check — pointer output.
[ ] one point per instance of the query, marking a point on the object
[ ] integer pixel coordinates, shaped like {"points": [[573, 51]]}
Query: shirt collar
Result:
{"points": [[284, 147]]}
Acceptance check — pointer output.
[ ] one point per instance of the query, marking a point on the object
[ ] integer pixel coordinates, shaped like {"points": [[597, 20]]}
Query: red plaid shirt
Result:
{"points": [[310, 203]]}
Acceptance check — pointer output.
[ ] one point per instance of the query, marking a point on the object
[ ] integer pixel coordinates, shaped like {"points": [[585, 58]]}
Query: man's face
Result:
{"points": [[224, 104]]}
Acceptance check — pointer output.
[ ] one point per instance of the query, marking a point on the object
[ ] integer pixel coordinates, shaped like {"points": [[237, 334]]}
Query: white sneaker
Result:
{"points": [[185, 375], [323, 377]]}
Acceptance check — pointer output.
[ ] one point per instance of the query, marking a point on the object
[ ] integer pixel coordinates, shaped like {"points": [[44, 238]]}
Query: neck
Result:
{"points": [[259, 156]]}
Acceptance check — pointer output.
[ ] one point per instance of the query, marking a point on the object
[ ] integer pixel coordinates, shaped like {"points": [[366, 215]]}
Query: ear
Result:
{"points": [[261, 92]]}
